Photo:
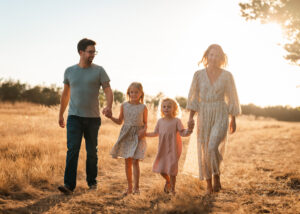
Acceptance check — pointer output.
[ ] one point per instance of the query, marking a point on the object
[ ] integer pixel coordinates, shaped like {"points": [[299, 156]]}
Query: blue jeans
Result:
{"points": [[76, 128]]}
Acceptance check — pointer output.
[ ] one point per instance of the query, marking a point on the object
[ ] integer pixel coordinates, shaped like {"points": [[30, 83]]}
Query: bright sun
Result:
{"points": [[262, 74]]}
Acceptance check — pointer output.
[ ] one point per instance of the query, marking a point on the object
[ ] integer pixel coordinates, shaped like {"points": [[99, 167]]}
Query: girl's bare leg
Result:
{"points": [[173, 182], [128, 170], [168, 184], [209, 189], [217, 183], [136, 175]]}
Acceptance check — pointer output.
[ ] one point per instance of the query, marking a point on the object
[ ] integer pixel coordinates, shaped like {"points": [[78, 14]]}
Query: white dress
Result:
{"points": [[213, 103], [128, 145]]}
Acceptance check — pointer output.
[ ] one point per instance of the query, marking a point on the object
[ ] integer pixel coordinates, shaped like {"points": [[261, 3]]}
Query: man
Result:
{"points": [[81, 87]]}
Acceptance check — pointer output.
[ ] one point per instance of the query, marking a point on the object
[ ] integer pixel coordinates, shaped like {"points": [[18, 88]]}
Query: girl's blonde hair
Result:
{"points": [[174, 104], [223, 57], [138, 86]]}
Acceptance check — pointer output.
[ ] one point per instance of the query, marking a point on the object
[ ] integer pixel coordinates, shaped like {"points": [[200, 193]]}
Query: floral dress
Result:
{"points": [[128, 145], [213, 103]]}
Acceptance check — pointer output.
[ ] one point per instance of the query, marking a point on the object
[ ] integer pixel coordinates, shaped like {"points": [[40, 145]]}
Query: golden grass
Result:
{"points": [[261, 172]]}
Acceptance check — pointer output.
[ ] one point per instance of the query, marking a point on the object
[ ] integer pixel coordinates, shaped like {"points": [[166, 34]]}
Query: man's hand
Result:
{"points": [[107, 112], [109, 99], [61, 122], [65, 97]]}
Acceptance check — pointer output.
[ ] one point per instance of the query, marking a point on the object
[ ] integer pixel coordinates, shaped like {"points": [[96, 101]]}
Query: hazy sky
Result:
{"points": [[156, 42]]}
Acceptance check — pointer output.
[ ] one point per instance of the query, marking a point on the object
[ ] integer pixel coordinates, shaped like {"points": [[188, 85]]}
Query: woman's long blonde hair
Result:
{"points": [[223, 57], [138, 86]]}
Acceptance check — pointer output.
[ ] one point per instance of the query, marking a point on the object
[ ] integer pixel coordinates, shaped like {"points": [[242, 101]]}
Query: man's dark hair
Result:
{"points": [[82, 44]]}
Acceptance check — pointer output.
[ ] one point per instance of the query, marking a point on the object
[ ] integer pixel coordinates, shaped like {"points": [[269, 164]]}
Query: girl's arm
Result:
{"points": [[186, 132], [119, 120], [155, 133], [142, 132], [151, 134]]}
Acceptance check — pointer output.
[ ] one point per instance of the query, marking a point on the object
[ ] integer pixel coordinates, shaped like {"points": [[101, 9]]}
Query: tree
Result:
{"points": [[182, 101], [284, 12], [101, 98], [118, 96], [11, 91], [155, 100]]}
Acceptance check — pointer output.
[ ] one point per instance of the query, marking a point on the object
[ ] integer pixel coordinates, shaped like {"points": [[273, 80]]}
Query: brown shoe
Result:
{"points": [[65, 190]]}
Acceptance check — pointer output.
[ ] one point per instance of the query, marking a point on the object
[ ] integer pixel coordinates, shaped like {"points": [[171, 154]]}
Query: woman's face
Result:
{"points": [[214, 58]]}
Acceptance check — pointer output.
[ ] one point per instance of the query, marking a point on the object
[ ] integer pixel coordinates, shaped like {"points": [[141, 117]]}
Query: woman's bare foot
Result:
{"points": [[217, 184], [209, 188]]}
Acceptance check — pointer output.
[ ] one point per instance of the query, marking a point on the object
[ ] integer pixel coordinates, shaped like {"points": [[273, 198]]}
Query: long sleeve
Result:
{"points": [[231, 96], [194, 94]]}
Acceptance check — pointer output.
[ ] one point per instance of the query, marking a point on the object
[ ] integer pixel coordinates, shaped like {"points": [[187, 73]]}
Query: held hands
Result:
{"points": [[141, 133], [107, 112], [191, 125]]}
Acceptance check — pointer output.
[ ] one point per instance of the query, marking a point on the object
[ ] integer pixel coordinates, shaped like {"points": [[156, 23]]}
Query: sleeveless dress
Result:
{"points": [[213, 103], [128, 145]]}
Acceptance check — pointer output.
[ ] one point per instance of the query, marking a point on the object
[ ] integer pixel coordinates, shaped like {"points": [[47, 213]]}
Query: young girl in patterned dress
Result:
{"points": [[169, 129], [131, 144]]}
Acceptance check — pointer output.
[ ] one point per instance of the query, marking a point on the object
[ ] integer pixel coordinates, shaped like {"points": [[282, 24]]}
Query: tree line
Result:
{"points": [[14, 91]]}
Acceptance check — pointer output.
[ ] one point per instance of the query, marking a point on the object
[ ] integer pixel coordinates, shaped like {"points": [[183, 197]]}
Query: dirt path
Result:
{"points": [[261, 174]]}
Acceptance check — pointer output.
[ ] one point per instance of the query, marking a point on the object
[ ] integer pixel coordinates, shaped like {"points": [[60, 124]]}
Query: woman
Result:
{"points": [[214, 97]]}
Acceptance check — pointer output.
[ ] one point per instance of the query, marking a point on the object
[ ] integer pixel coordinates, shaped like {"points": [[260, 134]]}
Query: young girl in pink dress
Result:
{"points": [[169, 129], [131, 144]]}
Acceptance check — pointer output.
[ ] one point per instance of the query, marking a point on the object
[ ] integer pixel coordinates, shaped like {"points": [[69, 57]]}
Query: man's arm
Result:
{"points": [[109, 99], [65, 97]]}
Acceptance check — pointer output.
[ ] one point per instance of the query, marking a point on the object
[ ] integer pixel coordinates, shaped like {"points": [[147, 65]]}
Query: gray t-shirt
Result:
{"points": [[85, 85]]}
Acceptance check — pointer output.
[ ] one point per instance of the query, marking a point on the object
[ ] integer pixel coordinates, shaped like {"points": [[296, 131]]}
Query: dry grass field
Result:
{"points": [[261, 170]]}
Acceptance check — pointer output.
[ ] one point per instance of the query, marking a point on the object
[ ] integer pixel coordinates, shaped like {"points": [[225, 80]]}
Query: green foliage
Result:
{"points": [[118, 96], [283, 113], [11, 91], [284, 12], [101, 98], [181, 101], [154, 101]]}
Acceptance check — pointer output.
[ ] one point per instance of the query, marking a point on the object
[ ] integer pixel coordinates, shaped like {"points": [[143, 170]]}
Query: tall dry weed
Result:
{"points": [[261, 172]]}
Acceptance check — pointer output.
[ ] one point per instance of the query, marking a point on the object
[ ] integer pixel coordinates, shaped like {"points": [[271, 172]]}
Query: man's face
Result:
{"points": [[89, 54]]}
